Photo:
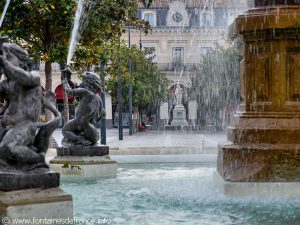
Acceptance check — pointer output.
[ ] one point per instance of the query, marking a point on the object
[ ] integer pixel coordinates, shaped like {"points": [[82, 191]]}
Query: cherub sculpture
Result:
{"points": [[22, 145], [81, 131]]}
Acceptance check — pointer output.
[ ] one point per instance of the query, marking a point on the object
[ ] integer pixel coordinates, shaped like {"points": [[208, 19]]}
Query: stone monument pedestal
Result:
{"points": [[179, 116], [85, 161], [33, 195]]}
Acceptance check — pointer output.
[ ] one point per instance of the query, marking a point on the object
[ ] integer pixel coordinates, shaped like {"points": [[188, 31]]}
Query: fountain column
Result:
{"points": [[265, 133]]}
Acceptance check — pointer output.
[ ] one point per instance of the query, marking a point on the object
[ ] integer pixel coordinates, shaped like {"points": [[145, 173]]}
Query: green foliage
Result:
{"points": [[107, 20], [148, 83], [43, 27], [215, 86]]}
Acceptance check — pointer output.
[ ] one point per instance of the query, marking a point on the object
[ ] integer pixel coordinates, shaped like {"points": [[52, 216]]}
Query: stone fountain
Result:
{"points": [[80, 155], [264, 148]]}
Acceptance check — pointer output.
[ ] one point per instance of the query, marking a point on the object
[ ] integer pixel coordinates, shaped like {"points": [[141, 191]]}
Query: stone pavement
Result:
{"points": [[160, 146]]}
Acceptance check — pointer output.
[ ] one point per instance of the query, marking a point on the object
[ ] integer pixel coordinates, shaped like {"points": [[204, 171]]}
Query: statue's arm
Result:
{"points": [[78, 92], [18, 74]]}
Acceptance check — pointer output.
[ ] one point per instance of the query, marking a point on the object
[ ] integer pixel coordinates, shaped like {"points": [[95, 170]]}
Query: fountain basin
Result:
{"points": [[174, 194]]}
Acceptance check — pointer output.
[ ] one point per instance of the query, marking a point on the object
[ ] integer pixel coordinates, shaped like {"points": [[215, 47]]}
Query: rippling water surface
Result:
{"points": [[172, 194]]}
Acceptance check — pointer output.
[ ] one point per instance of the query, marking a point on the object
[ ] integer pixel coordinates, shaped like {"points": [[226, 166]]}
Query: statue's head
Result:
{"points": [[91, 81], [66, 73], [17, 56]]}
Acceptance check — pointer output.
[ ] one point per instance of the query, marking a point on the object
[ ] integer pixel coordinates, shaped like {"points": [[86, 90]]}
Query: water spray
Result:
{"points": [[4, 12], [75, 31]]}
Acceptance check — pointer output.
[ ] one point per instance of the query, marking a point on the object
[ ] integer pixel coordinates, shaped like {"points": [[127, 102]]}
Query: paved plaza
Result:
{"points": [[160, 146]]}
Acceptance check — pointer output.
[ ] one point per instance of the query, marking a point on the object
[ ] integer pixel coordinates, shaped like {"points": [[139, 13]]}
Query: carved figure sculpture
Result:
{"points": [[22, 145], [80, 131], [178, 94]]}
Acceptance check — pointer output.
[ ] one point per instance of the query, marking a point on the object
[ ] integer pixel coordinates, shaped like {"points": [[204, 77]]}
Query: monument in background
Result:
{"points": [[179, 112], [265, 133], [27, 187]]}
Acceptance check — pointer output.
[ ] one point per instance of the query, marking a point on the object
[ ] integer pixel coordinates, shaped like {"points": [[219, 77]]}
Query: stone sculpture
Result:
{"points": [[81, 131], [178, 94], [22, 145]]}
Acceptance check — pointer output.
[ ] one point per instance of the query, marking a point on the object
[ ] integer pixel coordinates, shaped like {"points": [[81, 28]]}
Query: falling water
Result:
{"points": [[75, 34], [203, 10], [4, 12]]}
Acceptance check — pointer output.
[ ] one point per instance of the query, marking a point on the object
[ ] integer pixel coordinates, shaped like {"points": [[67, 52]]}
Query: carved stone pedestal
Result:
{"points": [[33, 195], [179, 116], [12, 181], [35, 206], [261, 190], [88, 161], [265, 133], [264, 148]]}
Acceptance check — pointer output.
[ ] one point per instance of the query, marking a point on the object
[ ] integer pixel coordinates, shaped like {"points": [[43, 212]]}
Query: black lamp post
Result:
{"points": [[120, 100], [103, 120], [130, 88]]}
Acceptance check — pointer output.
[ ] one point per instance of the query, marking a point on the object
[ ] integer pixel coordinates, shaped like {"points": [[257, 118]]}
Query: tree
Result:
{"points": [[148, 83], [216, 85], [44, 26]]}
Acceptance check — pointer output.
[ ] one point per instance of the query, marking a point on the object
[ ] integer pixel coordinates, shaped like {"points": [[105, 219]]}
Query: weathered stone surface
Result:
{"points": [[276, 2], [265, 134], [22, 145], [259, 190], [259, 163], [179, 116], [81, 131], [268, 24], [83, 151], [50, 203], [28, 180], [85, 166]]}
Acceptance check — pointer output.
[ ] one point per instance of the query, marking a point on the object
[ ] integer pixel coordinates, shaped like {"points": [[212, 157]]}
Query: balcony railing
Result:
{"points": [[177, 67]]}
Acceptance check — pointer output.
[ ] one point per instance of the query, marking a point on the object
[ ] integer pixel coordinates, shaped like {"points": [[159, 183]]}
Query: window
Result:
{"points": [[206, 19], [177, 57], [150, 18]]}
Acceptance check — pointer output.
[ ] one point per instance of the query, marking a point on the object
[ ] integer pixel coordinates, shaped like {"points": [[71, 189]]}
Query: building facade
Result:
{"points": [[182, 32]]}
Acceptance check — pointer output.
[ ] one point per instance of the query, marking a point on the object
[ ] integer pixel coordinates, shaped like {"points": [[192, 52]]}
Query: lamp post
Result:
{"points": [[120, 100], [130, 88], [103, 120]]}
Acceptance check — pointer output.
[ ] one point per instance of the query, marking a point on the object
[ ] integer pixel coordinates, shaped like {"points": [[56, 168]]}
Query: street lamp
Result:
{"points": [[103, 120], [130, 87], [120, 100]]}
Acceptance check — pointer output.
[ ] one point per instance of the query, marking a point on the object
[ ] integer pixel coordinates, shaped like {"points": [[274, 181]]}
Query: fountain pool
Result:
{"points": [[170, 194]]}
